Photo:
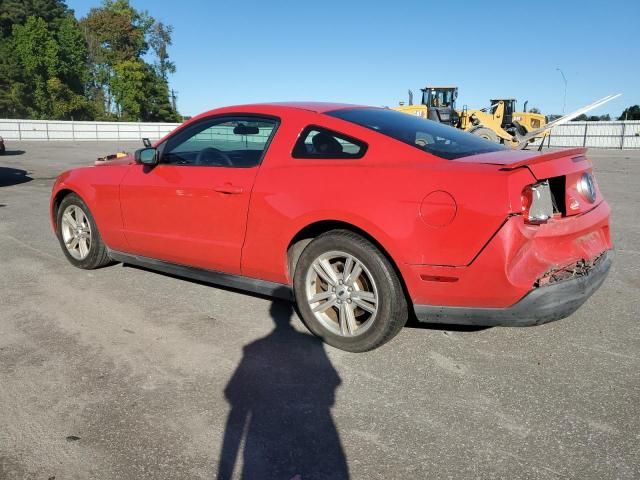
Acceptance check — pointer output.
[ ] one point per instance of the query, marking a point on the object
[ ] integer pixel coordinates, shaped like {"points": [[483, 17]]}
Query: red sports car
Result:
{"points": [[363, 215]]}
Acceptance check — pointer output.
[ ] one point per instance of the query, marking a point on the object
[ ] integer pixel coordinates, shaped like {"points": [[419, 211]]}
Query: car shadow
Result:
{"points": [[415, 323], [13, 176], [412, 322], [280, 398], [9, 153], [284, 294]]}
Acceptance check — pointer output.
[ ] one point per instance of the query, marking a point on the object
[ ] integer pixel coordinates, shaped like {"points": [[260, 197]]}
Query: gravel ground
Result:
{"points": [[124, 373]]}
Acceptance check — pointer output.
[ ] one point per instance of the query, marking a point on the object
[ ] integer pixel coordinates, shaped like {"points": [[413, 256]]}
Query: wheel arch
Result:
{"points": [[55, 204], [305, 235]]}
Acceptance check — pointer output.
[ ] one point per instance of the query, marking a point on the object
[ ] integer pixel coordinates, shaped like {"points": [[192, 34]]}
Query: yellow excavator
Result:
{"points": [[499, 122]]}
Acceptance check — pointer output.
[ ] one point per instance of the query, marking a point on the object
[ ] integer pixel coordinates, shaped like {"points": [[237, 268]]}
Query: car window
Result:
{"points": [[221, 142], [317, 142], [429, 136]]}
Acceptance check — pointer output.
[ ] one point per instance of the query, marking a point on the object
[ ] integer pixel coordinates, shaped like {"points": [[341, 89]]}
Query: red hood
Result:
{"points": [[128, 160]]}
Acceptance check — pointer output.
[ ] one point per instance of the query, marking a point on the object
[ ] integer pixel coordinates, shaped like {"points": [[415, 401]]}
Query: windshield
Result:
{"points": [[433, 97], [426, 135]]}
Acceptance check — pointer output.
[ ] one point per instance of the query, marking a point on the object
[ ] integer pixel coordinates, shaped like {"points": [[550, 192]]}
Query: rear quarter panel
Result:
{"points": [[380, 194]]}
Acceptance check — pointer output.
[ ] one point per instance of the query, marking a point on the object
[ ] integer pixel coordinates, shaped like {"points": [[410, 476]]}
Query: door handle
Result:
{"points": [[229, 189]]}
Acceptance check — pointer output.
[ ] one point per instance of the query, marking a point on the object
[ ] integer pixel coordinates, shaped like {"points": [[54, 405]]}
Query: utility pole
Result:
{"points": [[564, 102], [173, 100]]}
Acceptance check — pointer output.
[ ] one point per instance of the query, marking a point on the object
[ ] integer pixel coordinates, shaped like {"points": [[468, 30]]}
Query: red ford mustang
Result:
{"points": [[363, 215]]}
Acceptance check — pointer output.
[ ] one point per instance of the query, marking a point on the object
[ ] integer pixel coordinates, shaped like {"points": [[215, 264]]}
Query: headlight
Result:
{"points": [[587, 187]]}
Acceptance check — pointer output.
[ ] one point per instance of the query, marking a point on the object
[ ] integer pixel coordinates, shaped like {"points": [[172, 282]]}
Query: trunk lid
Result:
{"points": [[563, 169]]}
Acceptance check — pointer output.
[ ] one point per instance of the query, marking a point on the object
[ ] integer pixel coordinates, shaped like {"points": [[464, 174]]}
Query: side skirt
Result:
{"points": [[262, 287]]}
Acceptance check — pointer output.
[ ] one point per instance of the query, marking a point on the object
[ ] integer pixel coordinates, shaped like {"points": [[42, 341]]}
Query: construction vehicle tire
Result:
{"points": [[486, 133]]}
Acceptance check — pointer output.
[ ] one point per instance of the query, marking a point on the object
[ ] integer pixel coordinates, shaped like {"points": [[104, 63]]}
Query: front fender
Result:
{"points": [[99, 189]]}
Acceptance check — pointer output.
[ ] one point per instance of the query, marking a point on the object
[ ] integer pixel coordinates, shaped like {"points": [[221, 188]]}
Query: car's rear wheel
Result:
{"points": [[348, 293], [78, 234]]}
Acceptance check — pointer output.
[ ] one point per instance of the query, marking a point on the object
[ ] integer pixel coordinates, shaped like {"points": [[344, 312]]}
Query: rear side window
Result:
{"points": [[318, 142], [432, 137]]}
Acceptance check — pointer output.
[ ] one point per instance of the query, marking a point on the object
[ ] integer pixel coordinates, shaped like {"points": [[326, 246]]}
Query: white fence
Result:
{"points": [[65, 130], [620, 135]]}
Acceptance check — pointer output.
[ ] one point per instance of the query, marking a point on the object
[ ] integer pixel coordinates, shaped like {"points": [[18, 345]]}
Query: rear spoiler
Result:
{"points": [[576, 154]]}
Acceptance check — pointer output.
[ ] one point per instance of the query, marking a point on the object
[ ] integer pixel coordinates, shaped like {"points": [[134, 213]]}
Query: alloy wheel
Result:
{"points": [[76, 232], [342, 293]]}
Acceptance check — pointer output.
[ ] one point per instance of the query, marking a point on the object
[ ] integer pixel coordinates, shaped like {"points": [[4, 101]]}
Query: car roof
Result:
{"points": [[319, 107], [275, 107]]}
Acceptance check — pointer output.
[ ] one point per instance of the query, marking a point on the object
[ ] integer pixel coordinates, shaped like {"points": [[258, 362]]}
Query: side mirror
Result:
{"points": [[147, 156]]}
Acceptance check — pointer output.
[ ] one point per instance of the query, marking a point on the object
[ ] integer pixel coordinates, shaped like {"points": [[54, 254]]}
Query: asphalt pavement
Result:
{"points": [[122, 373]]}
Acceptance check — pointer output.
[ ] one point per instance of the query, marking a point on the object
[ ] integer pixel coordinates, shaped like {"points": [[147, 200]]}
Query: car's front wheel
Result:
{"points": [[348, 293], [78, 234]]}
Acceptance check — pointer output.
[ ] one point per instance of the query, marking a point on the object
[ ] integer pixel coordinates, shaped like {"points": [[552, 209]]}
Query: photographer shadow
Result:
{"points": [[280, 397]]}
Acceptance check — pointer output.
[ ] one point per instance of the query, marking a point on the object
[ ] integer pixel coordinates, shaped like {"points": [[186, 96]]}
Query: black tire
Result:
{"points": [[98, 255], [487, 134], [392, 311]]}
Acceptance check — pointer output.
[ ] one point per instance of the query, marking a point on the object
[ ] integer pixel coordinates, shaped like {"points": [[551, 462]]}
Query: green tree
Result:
{"points": [[121, 82], [16, 12], [113, 34], [630, 113], [159, 107], [128, 85], [140, 93], [37, 53], [52, 66], [42, 60], [13, 93], [159, 40], [73, 55], [53, 86]]}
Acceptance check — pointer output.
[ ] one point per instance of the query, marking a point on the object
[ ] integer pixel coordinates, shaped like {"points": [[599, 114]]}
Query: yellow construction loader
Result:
{"points": [[499, 122]]}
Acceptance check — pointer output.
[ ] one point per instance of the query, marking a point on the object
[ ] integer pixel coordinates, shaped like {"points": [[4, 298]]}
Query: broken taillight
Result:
{"points": [[537, 203]]}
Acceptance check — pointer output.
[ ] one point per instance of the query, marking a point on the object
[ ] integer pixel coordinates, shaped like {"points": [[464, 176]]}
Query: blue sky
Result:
{"points": [[369, 52]]}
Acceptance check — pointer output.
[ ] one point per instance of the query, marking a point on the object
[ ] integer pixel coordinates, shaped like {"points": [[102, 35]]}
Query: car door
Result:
{"points": [[191, 208]]}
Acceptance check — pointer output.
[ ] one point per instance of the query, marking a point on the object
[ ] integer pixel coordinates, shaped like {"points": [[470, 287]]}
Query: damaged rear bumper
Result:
{"points": [[556, 299]]}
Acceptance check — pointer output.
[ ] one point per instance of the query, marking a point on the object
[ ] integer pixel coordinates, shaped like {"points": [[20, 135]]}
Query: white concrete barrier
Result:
{"points": [[13, 129], [614, 134]]}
